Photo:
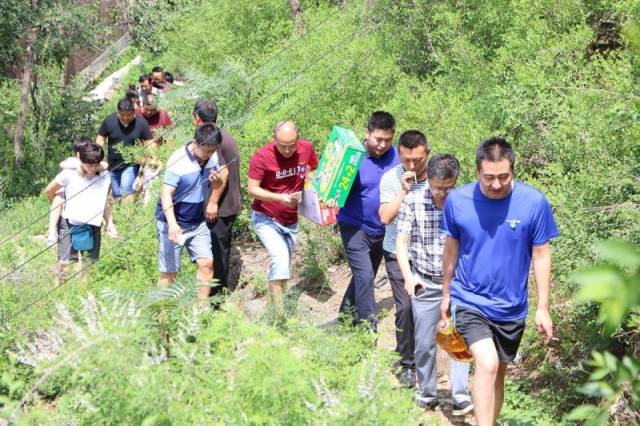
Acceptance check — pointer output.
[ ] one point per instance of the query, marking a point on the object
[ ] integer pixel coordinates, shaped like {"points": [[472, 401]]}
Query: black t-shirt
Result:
{"points": [[116, 133]]}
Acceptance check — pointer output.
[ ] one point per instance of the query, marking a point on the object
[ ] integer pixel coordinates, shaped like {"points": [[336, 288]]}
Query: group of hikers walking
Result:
{"points": [[452, 253]]}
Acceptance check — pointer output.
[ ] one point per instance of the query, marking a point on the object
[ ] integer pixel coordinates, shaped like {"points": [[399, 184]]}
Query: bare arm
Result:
{"points": [[100, 140], [106, 214], [402, 255], [541, 257], [108, 219], [217, 191], [51, 190], [211, 209], [389, 211], [449, 262], [262, 194], [166, 198]]}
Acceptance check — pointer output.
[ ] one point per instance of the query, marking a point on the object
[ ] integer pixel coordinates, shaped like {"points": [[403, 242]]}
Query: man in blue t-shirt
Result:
{"points": [[495, 227], [361, 230], [180, 214]]}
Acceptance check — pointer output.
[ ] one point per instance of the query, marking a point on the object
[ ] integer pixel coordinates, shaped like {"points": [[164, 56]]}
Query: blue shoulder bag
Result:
{"points": [[81, 237]]}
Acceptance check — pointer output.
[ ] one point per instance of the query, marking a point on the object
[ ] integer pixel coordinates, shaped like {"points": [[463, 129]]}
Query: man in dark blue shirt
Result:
{"points": [[495, 228], [361, 230]]}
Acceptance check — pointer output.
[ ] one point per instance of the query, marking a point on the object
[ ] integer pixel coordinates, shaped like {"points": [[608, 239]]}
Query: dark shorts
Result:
{"points": [[474, 326]]}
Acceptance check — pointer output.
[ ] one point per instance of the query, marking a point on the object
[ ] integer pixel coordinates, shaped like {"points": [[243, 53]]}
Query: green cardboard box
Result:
{"points": [[338, 165]]}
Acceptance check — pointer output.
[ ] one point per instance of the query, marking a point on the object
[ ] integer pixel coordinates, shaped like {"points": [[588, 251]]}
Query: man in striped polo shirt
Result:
{"points": [[180, 212], [409, 175]]}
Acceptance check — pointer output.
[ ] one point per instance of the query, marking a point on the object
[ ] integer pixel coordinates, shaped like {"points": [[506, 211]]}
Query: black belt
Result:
{"points": [[434, 278]]}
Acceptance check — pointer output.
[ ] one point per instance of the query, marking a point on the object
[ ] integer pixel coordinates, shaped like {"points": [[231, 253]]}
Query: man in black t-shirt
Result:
{"points": [[225, 202], [123, 127]]}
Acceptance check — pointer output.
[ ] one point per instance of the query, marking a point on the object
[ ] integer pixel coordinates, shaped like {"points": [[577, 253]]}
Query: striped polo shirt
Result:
{"points": [[390, 187], [192, 184]]}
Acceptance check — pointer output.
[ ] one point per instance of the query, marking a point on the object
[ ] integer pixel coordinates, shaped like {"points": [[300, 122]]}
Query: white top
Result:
{"points": [[85, 198]]}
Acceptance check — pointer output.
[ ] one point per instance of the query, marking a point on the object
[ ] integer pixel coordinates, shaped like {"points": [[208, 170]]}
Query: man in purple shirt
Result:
{"points": [[361, 230]]}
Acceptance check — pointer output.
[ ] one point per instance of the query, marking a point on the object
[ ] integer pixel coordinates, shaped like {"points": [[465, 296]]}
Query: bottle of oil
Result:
{"points": [[452, 342]]}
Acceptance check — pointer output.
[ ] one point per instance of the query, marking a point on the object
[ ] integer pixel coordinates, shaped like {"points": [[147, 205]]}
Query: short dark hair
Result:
{"points": [[381, 120], [90, 153], [125, 105], [412, 139], [156, 69], [207, 110], [144, 77], [81, 142], [168, 77], [443, 166], [132, 94], [495, 149], [207, 134]]}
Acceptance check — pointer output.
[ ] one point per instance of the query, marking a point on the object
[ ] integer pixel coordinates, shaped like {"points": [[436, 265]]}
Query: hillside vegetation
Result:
{"points": [[557, 78]]}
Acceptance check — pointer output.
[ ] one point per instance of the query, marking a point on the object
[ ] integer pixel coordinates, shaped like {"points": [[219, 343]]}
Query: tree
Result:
{"points": [[296, 11], [50, 30], [24, 87]]}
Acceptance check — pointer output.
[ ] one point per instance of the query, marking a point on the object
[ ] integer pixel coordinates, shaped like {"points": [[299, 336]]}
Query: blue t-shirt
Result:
{"points": [[192, 184], [361, 208], [496, 241]]}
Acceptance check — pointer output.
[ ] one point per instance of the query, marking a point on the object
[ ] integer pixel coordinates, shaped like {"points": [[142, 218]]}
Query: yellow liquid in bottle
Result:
{"points": [[451, 341]]}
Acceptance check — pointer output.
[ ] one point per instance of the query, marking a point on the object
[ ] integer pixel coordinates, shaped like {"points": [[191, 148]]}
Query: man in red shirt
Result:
{"points": [[157, 118], [276, 179]]}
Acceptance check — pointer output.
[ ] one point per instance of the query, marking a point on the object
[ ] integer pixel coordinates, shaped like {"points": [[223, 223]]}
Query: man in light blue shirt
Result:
{"points": [[409, 175]]}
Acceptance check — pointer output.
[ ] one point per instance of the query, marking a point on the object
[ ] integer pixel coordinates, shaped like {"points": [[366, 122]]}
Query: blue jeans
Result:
{"points": [[279, 240], [364, 253], [122, 180]]}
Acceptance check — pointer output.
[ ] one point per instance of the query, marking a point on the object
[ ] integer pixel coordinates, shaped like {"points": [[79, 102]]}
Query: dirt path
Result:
{"points": [[320, 309]]}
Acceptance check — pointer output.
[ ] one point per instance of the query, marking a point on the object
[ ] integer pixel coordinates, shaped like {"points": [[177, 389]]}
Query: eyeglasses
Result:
{"points": [[441, 190]]}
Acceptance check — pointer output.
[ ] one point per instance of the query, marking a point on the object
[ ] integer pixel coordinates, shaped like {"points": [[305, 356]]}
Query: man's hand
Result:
{"points": [[215, 179], [291, 199], [444, 307], [175, 234], [408, 179], [211, 212], [409, 286], [544, 324]]}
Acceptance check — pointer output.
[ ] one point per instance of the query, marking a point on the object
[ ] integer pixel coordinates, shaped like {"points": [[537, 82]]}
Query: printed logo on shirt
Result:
{"points": [[300, 169], [513, 223]]}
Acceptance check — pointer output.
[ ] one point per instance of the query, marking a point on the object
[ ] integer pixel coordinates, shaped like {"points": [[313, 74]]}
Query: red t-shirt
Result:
{"points": [[158, 121], [281, 175]]}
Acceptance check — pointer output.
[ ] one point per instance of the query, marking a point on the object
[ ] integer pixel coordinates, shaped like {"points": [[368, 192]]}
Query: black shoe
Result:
{"points": [[407, 377], [463, 408], [430, 406]]}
